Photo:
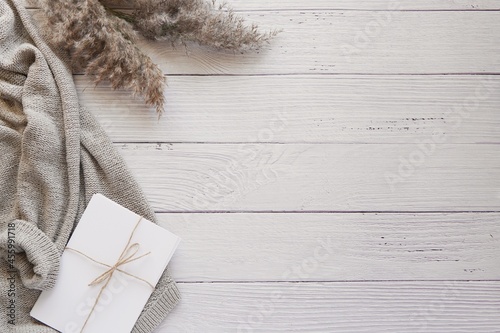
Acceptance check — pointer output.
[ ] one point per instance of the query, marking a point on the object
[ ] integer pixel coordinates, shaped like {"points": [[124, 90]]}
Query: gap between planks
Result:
{"points": [[329, 281]]}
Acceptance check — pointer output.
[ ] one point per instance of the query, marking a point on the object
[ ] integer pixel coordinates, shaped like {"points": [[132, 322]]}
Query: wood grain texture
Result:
{"points": [[351, 42], [315, 109], [364, 5], [410, 307], [240, 5], [352, 142], [326, 42], [303, 177], [335, 247]]}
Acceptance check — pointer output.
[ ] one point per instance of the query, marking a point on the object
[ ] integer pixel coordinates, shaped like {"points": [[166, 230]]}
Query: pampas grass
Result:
{"points": [[197, 21], [102, 41]]}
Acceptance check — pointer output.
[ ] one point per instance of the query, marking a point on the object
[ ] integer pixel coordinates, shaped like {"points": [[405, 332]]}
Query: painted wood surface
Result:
{"points": [[365, 5], [335, 247], [240, 5], [329, 42], [347, 42], [350, 42], [347, 307], [298, 109], [367, 126], [309, 177]]}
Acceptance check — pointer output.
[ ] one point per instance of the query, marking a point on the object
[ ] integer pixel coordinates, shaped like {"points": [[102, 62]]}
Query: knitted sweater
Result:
{"points": [[53, 157]]}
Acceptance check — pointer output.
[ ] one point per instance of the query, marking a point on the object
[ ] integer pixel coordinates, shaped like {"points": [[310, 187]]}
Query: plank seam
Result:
{"points": [[329, 281], [285, 143], [325, 212], [328, 74], [242, 11]]}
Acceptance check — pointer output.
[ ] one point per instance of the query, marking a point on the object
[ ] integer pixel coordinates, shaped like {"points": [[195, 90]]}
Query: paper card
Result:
{"points": [[102, 235]]}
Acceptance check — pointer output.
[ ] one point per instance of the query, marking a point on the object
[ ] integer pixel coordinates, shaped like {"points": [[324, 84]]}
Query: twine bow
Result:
{"points": [[128, 255]]}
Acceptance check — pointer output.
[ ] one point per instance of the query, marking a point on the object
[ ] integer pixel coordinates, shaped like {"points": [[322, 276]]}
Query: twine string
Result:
{"points": [[129, 254]]}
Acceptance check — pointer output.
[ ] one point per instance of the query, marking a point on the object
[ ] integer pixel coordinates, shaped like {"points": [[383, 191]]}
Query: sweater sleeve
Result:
{"points": [[28, 250], [162, 301]]}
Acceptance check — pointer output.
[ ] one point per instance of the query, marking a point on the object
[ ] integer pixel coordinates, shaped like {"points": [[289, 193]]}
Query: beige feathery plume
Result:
{"points": [[197, 21], [104, 46], [102, 42]]}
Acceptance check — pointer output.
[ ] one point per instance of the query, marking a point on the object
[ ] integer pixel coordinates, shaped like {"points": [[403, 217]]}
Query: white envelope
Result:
{"points": [[102, 234]]}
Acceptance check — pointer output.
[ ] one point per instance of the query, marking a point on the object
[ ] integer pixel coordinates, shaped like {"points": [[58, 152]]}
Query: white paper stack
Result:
{"points": [[102, 234]]}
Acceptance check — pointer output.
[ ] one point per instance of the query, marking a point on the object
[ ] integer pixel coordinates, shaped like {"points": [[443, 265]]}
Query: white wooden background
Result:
{"points": [[346, 178]]}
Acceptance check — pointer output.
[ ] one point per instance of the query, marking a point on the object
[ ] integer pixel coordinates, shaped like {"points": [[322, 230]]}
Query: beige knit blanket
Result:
{"points": [[53, 157]]}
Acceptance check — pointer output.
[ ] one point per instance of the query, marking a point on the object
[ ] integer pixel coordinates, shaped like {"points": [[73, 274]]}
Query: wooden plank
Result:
{"points": [[326, 42], [351, 42], [431, 307], [321, 109], [240, 5], [335, 247], [364, 5], [332, 177]]}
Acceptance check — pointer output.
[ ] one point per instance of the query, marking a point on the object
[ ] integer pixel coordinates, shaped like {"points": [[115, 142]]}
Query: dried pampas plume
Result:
{"points": [[102, 41]]}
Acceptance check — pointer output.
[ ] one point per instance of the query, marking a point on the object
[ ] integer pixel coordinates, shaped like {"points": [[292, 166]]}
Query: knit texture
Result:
{"points": [[53, 157]]}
